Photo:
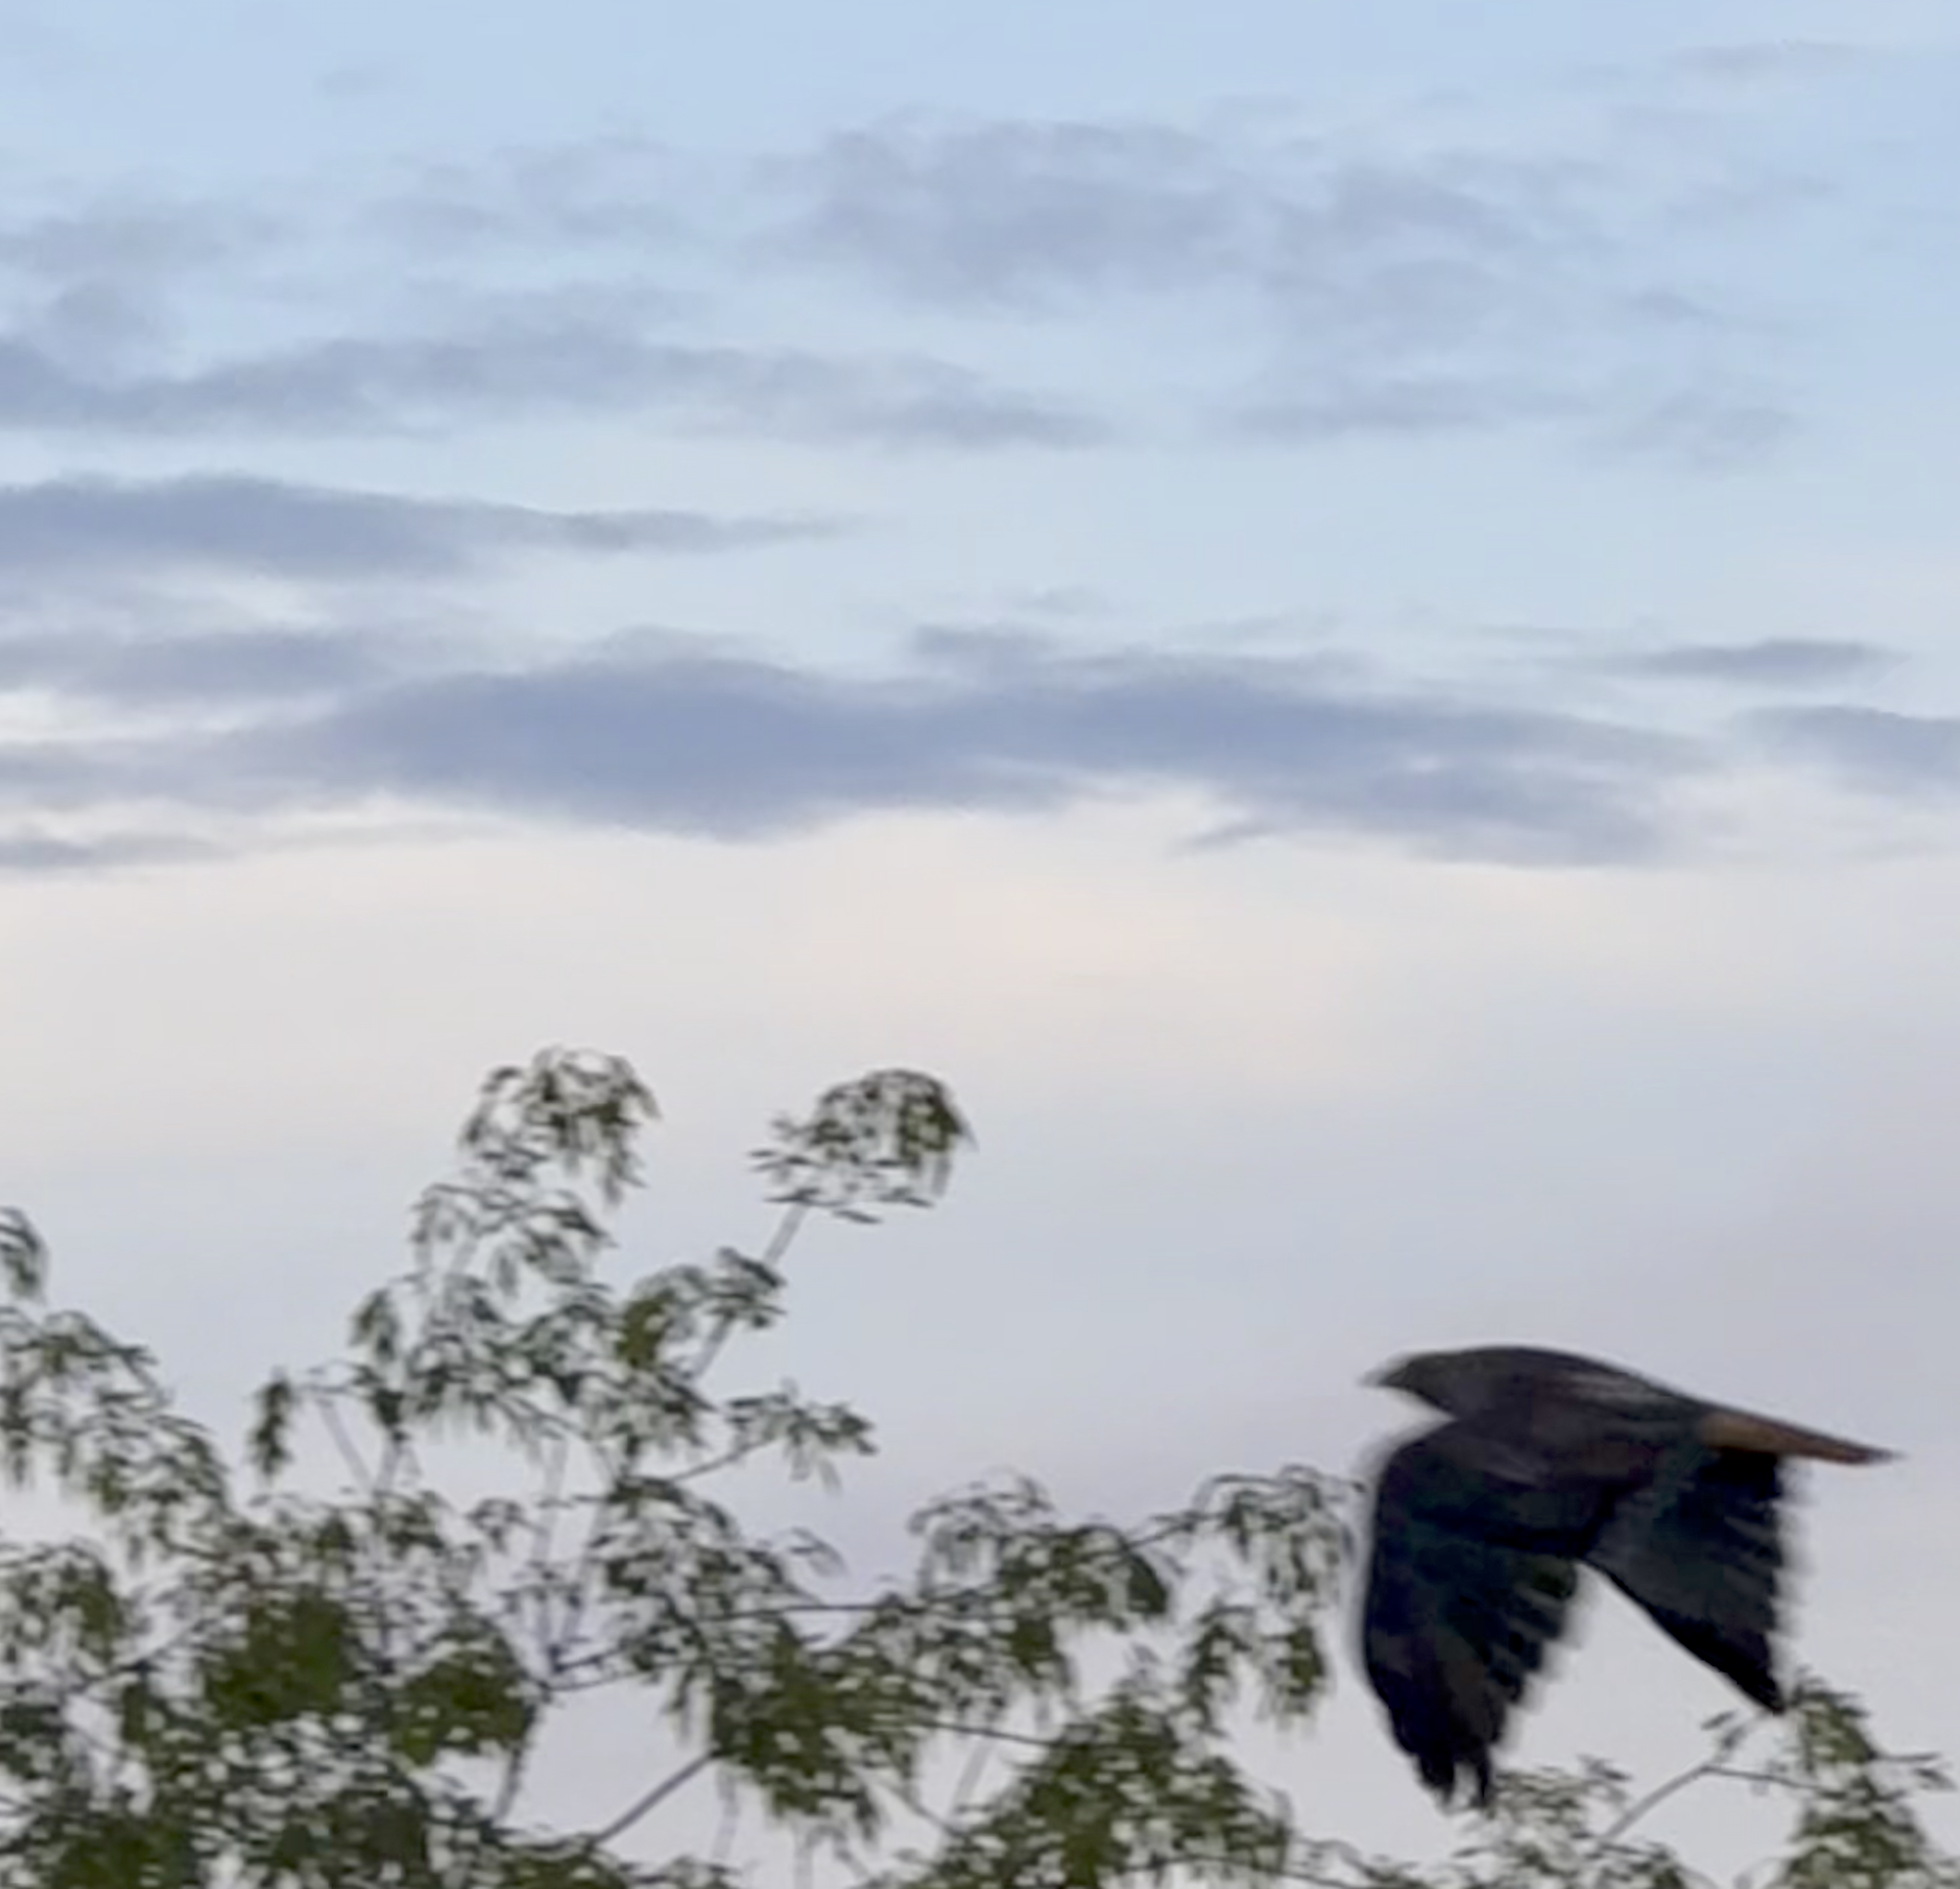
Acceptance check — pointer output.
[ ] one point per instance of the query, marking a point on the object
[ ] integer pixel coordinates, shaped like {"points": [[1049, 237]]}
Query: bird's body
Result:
{"points": [[1550, 1460]]}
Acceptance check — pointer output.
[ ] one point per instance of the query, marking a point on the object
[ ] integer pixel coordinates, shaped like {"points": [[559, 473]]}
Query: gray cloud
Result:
{"points": [[1409, 404], [1410, 281], [737, 748], [1748, 64], [88, 526], [209, 669], [100, 289], [1768, 661], [1714, 428], [1017, 211], [1881, 749], [130, 240], [28, 852], [89, 283], [670, 737], [1034, 213], [82, 774], [379, 385], [95, 274], [659, 733], [1434, 287], [618, 191]]}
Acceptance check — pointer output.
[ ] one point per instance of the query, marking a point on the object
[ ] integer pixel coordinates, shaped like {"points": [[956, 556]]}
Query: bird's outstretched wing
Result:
{"points": [[1698, 1547], [1470, 1577]]}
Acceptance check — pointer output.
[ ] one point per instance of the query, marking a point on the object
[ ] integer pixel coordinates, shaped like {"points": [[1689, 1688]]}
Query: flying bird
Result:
{"points": [[1549, 1461]]}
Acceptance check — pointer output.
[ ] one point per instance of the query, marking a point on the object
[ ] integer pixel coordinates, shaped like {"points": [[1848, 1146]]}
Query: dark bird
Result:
{"points": [[1549, 1461]]}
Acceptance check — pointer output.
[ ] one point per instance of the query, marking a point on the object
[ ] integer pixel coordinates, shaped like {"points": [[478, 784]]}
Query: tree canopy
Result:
{"points": [[239, 1671]]}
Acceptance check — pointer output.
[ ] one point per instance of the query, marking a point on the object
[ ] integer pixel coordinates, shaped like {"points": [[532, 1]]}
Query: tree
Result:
{"points": [[225, 1676]]}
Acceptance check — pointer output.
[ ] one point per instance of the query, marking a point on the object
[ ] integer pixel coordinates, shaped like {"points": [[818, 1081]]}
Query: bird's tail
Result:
{"points": [[1766, 1436]]}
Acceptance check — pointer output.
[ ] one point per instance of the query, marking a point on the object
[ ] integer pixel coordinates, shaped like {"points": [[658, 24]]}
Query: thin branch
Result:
{"points": [[1654, 1799], [911, 1799], [571, 1669], [969, 1777], [513, 1780], [325, 1401], [571, 1619], [715, 1465], [794, 1215], [772, 1256], [731, 1819], [1000, 1734], [1716, 1767], [549, 1646], [652, 1799], [395, 1453], [550, 1500]]}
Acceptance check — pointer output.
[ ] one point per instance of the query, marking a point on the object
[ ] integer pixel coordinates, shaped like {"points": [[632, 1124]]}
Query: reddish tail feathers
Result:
{"points": [[1764, 1436]]}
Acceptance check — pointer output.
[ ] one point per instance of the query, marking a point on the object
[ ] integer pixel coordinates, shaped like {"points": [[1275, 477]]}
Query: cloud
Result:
{"points": [[1016, 212], [90, 286], [1048, 213], [1408, 404], [738, 747], [1714, 429], [674, 737], [86, 526], [1747, 65], [457, 294], [208, 671], [657, 732], [1407, 282], [1881, 749], [1425, 274], [623, 191], [1769, 661], [28, 852], [134, 239], [383, 385]]}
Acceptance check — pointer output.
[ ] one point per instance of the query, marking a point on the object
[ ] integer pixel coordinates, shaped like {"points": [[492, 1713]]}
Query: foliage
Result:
{"points": [[228, 1676]]}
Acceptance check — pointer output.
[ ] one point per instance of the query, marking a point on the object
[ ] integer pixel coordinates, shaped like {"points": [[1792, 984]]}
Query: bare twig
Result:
{"points": [[1715, 1766], [551, 1492], [731, 1818], [652, 1798], [772, 1256], [325, 1401], [969, 1777]]}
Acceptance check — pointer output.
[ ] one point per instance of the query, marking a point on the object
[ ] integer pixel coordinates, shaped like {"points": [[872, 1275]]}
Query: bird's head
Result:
{"points": [[1439, 1379]]}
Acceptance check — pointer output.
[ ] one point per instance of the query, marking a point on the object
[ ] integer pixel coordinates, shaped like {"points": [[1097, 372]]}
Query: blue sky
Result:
{"points": [[1343, 616]]}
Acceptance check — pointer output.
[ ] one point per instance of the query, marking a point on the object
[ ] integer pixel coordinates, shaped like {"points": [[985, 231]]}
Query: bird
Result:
{"points": [[1548, 1462]]}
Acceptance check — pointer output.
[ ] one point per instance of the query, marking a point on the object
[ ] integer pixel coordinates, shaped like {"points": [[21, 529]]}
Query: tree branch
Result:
{"points": [[772, 1256], [652, 1798], [1715, 1766], [325, 1403]]}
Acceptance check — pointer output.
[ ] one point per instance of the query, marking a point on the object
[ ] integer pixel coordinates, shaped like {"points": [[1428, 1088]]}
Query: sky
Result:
{"points": [[1342, 617]]}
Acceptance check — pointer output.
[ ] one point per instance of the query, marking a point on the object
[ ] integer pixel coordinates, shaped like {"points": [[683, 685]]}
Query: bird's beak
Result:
{"points": [[1387, 1377]]}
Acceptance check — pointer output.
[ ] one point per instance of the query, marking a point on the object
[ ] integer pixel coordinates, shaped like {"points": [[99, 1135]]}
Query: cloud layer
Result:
{"points": [[86, 527], [1584, 266], [403, 383], [1764, 661], [658, 733], [1409, 276]]}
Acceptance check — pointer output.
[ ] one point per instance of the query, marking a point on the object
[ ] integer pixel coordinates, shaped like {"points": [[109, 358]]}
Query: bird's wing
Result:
{"points": [[1470, 1577], [1698, 1547]]}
